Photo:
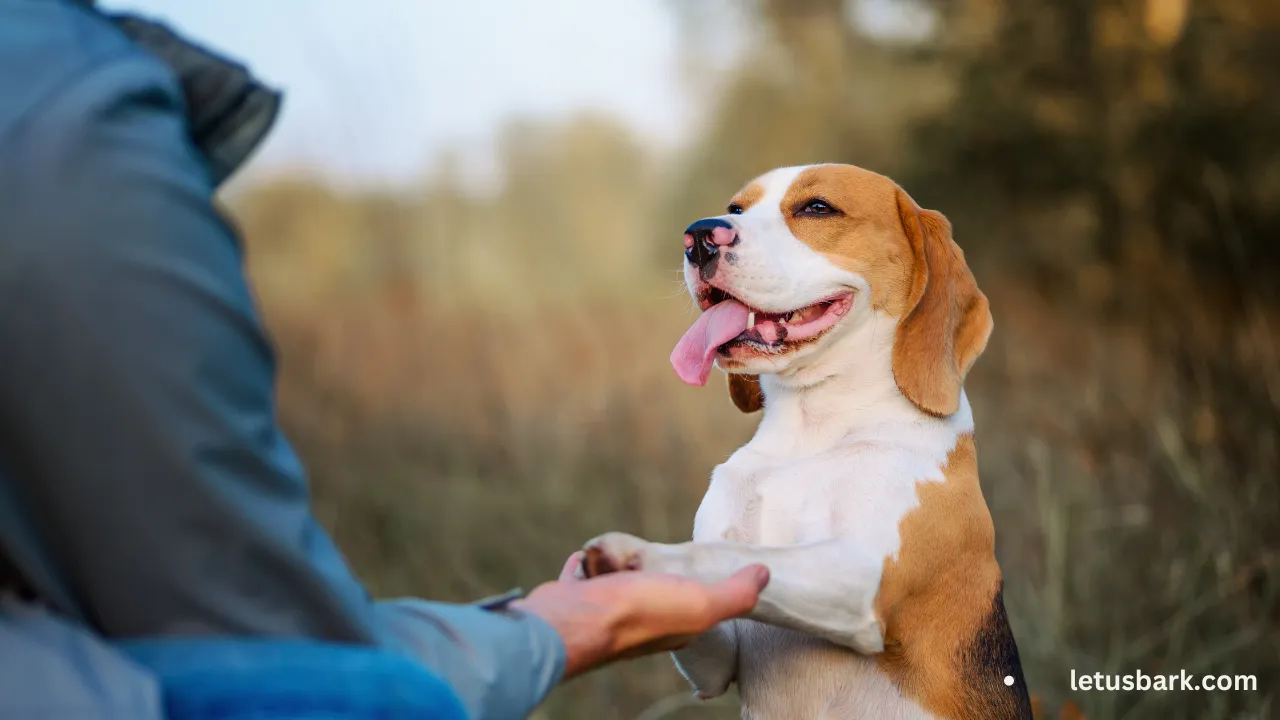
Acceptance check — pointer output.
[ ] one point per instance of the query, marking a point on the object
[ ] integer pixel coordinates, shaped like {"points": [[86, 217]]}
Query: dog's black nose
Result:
{"points": [[704, 238]]}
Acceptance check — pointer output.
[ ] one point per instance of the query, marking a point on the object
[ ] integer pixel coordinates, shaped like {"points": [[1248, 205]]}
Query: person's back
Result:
{"points": [[83, 109], [106, 201]]}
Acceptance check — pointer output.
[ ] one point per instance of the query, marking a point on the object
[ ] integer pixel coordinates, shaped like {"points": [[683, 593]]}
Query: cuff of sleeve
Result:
{"points": [[500, 664]]}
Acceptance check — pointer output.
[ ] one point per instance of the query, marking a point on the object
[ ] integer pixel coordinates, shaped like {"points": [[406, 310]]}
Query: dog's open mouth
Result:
{"points": [[727, 323]]}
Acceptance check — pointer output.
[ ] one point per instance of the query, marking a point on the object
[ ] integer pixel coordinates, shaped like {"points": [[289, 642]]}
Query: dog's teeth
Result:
{"points": [[751, 320], [794, 317]]}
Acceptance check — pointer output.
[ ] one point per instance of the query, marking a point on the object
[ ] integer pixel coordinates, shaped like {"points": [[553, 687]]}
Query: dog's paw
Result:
{"points": [[614, 552]]}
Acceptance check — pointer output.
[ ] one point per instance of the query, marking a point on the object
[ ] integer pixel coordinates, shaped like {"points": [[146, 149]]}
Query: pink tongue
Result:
{"points": [[696, 351]]}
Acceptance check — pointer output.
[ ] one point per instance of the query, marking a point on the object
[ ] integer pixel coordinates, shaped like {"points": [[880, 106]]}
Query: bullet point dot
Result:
{"points": [[1008, 680]]}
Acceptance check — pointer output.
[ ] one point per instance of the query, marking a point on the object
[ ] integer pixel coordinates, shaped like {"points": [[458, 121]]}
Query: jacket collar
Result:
{"points": [[229, 111]]}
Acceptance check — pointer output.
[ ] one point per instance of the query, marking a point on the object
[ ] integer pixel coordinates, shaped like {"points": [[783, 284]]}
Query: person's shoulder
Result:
{"points": [[60, 63], [87, 119]]}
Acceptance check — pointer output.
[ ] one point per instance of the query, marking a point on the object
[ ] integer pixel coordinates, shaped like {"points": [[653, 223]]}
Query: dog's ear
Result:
{"points": [[947, 320], [745, 392]]}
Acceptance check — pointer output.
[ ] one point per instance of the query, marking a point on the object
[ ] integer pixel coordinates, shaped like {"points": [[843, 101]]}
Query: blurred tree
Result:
{"points": [[574, 210], [1121, 155], [1157, 117]]}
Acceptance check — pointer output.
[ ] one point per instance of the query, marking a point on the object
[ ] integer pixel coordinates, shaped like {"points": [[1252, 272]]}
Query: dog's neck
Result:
{"points": [[847, 395]]}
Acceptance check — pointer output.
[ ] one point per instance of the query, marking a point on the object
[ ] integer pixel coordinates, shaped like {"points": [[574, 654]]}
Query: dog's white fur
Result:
{"points": [[817, 495]]}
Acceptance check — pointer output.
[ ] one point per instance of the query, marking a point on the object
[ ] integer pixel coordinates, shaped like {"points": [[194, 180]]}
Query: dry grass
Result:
{"points": [[456, 456], [460, 445]]}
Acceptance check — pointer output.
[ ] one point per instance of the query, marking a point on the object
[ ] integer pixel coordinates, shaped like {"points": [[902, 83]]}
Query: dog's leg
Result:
{"points": [[710, 662], [826, 589]]}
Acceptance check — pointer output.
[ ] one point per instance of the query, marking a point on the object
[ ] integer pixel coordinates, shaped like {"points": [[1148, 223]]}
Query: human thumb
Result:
{"points": [[738, 594]]}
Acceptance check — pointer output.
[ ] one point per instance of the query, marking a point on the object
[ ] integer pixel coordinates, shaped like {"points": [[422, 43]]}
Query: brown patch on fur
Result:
{"points": [[865, 235], [947, 642], [745, 392], [949, 319], [916, 271], [596, 562], [748, 196]]}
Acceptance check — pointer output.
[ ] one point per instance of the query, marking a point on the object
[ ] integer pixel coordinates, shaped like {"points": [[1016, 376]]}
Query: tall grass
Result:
{"points": [[463, 438], [455, 456]]}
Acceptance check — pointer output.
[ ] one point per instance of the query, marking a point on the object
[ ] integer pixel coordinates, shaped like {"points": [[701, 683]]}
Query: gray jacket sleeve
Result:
{"points": [[145, 487]]}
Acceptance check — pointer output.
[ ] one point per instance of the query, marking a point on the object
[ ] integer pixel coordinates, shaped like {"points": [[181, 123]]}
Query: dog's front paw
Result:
{"points": [[615, 552]]}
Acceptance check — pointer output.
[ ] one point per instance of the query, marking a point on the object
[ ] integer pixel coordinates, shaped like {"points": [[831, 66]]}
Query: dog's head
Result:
{"points": [[807, 256]]}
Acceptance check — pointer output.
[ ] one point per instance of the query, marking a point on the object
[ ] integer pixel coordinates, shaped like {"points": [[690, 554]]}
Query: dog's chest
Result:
{"points": [[763, 504], [857, 493]]}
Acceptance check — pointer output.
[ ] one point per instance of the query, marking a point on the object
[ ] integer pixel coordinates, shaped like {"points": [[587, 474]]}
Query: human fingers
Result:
{"points": [[569, 572], [738, 594], [685, 604], [667, 610]]}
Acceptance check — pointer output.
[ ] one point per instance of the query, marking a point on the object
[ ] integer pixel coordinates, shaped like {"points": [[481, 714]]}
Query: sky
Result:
{"points": [[375, 89]]}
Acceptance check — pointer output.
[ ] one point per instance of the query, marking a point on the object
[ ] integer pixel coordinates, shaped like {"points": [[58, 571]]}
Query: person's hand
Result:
{"points": [[629, 614]]}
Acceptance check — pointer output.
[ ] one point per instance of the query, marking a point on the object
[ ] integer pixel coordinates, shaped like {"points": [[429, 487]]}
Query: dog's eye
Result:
{"points": [[735, 209], [816, 207]]}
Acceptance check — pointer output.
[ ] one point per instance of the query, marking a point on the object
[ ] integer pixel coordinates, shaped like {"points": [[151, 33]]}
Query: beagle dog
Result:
{"points": [[848, 314]]}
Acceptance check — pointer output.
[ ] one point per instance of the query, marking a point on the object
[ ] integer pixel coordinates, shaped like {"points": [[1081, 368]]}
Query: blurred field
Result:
{"points": [[478, 381]]}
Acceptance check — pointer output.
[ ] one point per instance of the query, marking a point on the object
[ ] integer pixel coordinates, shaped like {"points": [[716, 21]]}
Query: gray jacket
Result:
{"points": [[145, 487]]}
